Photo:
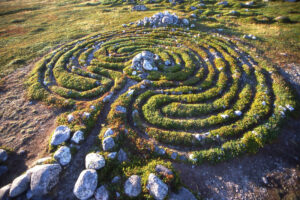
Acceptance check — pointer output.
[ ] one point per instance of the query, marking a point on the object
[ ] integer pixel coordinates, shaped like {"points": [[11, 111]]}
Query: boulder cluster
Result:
{"points": [[163, 19], [34, 183]]}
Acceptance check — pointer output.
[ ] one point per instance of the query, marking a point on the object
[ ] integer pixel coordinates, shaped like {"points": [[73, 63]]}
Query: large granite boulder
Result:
{"points": [[19, 185], [133, 186], [43, 178], [86, 184], [158, 189]]}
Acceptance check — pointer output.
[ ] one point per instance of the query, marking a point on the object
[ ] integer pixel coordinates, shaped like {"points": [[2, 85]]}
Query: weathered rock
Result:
{"points": [[112, 155], [238, 113], [133, 186], [174, 155], [94, 161], [60, 135], [183, 193], [163, 170], [121, 109], [78, 137], [185, 22], [116, 179], [3, 155], [108, 132], [223, 3], [139, 8], [122, 156], [44, 178], [102, 193], [19, 185], [4, 192], [147, 65], [70, 118], [63, 155], [108, 143], [156, 187], [86, 184], [3, 169]]}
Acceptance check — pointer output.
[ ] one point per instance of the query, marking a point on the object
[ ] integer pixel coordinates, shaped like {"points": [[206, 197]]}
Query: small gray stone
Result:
{"points": [[60, 135], [116, 179], [183, 193], [139, 8], [174, 155], [3, 155], [19, 185], [185, 22], [94, 161], [133, 186], [108, 143], [122, 156], [156, 187], [121, 109], [108, 132], [112, 155], [44, 178], [163, 170], [102, 193], [86, 184], [78, 137], [63, 155]]}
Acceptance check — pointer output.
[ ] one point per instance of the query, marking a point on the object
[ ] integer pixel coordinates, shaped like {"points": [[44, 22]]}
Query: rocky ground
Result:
{"points": [[25, 126]]}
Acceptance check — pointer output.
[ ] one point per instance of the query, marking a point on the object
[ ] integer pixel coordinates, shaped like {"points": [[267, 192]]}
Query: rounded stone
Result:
{"points": [[133, 186], [63, 155], [94, 161], [86, 184], [60, 135]]}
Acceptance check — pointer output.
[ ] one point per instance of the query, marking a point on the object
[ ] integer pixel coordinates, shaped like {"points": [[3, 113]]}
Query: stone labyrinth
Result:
{"points": [[166, 93]]}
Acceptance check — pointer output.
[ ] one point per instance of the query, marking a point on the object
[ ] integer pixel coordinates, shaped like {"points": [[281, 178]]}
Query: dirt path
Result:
{"points": [[64, 190], [242, 178], [24, 126]]}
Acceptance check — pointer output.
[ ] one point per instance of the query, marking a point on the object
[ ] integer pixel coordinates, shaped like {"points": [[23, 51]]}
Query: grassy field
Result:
{"points": [[31, 28]]}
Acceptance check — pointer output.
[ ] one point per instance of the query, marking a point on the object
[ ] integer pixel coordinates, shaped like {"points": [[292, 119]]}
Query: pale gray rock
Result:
{"points": [[19, 185], [60, 135], [63, 155], [116, 179], [77, 137], [156, 187], [86, 184], [121, 109], [139, 8], [102, 193], [112, 155], [133, 186], [108, 143], [122, 156], [163, 170], [94, 161], [44, 178], [108, 132]]}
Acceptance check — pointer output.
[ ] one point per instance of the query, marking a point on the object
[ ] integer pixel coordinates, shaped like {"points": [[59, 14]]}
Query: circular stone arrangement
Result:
{"points": [[193, 96]]}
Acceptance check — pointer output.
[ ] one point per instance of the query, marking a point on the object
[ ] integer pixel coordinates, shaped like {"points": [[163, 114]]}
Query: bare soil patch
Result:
{"points": [[273, 173], [25, 126]]}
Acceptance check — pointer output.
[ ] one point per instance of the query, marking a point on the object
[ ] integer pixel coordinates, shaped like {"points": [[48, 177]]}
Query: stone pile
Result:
{"points": [[162, 19]]}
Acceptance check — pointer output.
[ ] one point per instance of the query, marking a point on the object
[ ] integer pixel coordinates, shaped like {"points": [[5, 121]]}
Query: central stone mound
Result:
{"points": [[144, 61]]}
